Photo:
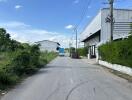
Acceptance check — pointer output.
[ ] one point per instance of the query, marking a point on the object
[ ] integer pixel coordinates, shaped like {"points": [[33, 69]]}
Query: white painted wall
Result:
{"points": [[48, 46], [120, 68]]}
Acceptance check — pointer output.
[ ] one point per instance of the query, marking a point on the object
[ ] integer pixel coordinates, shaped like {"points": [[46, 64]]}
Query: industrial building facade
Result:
{"points": [[98, 31], [49, 46]]}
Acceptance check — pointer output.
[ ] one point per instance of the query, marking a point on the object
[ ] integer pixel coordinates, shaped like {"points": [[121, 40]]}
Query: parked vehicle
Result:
{"points": [[61, 52]]}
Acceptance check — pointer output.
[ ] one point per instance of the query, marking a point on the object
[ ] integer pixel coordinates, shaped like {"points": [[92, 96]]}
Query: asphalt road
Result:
{"points": [[72, 79]]}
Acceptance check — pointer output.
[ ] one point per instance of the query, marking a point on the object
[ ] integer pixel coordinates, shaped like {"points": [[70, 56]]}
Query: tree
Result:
{"points": [[4, 39]]}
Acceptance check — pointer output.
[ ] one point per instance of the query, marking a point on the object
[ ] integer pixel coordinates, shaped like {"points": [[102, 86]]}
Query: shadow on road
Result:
{"points": [[70, 67]]}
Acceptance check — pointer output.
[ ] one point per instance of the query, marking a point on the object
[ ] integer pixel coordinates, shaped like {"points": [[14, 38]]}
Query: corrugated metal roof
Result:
{"points": [[86, 32], [117, 9], [48, 41]]}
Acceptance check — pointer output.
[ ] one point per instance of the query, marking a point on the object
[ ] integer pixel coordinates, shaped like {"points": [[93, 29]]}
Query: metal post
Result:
{"points": [[75, 29], [111, 17], [70, 45]]}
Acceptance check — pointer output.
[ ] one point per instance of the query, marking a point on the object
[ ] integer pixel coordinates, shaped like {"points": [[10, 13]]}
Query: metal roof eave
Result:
{"points": [[92, 35]]}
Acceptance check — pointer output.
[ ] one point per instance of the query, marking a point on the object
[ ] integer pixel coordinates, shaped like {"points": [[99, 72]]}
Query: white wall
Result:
{"points": [[120, 68], [48, 46]]}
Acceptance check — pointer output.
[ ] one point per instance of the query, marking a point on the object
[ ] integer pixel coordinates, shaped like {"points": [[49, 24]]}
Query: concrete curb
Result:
{"points": [[120, 68]]}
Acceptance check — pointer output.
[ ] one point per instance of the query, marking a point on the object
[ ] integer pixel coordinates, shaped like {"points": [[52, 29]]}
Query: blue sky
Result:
{"points": [[35, 20]]}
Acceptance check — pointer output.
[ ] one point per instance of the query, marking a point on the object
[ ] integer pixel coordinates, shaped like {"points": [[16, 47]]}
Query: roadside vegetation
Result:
{"points": [[83, 51], [117, 52], [18, 60]]}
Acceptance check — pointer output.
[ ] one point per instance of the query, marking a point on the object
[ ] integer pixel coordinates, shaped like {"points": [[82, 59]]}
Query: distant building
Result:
{"points": [[98, 31], [49, 46]]}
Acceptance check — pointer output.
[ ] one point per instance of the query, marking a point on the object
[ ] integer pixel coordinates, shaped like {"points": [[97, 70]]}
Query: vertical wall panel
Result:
{"points": [[122, 18]]}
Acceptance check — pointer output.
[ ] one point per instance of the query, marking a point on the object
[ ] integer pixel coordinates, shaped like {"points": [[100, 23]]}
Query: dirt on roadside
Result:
{"points": [[122, 75], [2, 93]]}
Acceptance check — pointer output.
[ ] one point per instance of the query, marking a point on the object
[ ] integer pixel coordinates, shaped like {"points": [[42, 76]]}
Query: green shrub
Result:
{"points": [[117, 52], [46, 57], [83, 51], [35, 54], [22, 63], [13, 65], [7, 78], [19, 59]]}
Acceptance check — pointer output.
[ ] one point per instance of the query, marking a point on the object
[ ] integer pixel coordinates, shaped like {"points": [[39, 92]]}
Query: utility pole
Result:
{"points": [[70, 45], [75, 30], [111, 19]]}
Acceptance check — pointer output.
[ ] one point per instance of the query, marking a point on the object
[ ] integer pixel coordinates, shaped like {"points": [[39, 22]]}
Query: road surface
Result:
{"points": [[72, 79]]}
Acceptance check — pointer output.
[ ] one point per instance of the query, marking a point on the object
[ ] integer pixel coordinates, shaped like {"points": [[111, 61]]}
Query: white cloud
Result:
{"points": [[89, 6], [3, 0], [115, 3], [18, 6], [69, 27], [88, 16], [76, 1], [26, 33], [14, 24]]}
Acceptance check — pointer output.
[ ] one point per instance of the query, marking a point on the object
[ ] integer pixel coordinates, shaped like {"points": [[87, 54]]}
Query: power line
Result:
{"points": [[116, 1], [84, 12], [121, 0]]}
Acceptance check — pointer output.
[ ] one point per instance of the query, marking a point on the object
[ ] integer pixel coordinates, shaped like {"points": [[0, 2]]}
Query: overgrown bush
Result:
{"points": [[19, 59], [26, 61], [83, 51], [46, 57], [21, 63], [14, 65], [117, 52], [7, 78], [35, 55]]}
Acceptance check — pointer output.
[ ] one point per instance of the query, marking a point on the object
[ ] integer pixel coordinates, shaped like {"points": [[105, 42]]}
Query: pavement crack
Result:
{"points": [[94, 90], [74, 88], [55, 91]]}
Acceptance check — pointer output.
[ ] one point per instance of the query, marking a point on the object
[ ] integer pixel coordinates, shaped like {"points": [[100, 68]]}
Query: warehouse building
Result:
{"points": [[49, 46], [98, 31]]}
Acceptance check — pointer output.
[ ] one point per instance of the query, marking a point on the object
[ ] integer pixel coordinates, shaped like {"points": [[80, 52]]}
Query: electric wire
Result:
{"points": [[84, 12]]}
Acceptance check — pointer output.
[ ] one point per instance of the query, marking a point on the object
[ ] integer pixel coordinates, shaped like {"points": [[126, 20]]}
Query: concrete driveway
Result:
{"points": [[72, 79]]}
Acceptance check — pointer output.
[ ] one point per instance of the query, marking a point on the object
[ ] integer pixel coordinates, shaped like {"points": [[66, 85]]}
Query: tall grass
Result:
{"points": [[47, 56], [15, 65]]}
